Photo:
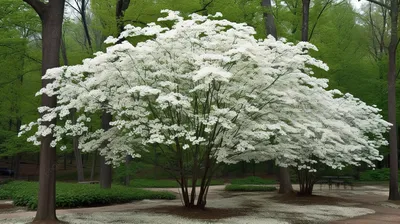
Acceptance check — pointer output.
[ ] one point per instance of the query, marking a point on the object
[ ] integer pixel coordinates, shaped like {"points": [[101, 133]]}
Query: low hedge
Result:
{"points": [[151, 183], [253, 180], [248, 188], [376, 175], [71, 195]]}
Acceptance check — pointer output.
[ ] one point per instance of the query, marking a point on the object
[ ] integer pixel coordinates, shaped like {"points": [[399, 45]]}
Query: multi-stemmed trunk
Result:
{"points": [[307, 180], [203, 177]]}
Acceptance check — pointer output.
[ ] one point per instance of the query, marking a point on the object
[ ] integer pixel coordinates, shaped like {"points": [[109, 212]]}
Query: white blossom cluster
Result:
{"points": [[207, 84]]}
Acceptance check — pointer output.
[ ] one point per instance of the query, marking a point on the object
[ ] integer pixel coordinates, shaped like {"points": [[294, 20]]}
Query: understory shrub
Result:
{"points": [[237, 187], [71, 195], [253, 180], [376, 175]]}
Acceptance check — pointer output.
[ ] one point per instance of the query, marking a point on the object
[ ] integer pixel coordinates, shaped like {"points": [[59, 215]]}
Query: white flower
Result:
{"points": [[206, 84]]}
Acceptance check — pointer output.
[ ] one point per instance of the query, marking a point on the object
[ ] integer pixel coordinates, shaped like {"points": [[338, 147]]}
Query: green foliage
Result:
{"points": [[132, 169], [376, 175], [19, 73], [248, 188], [342, 35], [77, 195], [252, 181], [150, 183]]}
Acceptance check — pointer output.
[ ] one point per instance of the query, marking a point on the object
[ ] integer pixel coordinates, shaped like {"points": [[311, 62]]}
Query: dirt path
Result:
{"points": [[382, 216], [375, 198], [338, 206]]}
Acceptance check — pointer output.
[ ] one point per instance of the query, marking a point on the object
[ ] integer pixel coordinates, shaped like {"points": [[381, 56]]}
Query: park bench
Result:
{"points": [[88, 182], [6, 172], [337, 181]]}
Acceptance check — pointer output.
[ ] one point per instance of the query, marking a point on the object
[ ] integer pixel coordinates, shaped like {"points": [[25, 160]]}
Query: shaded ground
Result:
{"points": [[310, 200], [366, 204], [206, 214]]}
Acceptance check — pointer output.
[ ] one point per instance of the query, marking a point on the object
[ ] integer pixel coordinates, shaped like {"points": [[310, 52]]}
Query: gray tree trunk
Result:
{"points": [[285, 185], [77, 152], [394, 160], [391, 76], [269, 20], [306, 13], [105, 174], [93, 165], [51, 15], [127, 176], [105, 169]]}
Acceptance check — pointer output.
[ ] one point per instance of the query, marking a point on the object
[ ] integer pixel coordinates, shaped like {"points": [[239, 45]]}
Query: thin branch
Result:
{"points": [[73, 7], [379, 3], [318, 17], [204, 7], [77, 4], [18, 77], [38, 6]]}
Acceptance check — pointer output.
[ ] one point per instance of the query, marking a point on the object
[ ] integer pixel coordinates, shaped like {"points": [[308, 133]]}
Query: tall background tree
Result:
{"points": [[51, 15], [285, 184], [393, 7]]}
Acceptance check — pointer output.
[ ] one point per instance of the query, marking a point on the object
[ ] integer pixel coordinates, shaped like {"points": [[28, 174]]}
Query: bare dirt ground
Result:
{"points": [[366, 204]]}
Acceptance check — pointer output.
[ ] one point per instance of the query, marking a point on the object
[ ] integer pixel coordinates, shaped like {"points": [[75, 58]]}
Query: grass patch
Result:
{"points": [[72, 195], [151, 183], [253, 180], [248, 188]]}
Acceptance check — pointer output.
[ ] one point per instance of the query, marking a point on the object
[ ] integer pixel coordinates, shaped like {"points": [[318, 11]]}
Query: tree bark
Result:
{"points": [[77, 151], [93, 165], [269, 20], [17, 162], [105, 169], [18, 155], [121, 7], [78, 160], [51, 15], [65, 160], [306, 13], [84, 23], [285, 185], [105, 174], [393, 186], [75, 143], [127, 176]]}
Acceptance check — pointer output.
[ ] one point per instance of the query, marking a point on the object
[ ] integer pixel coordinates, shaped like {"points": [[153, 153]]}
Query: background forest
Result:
{"points": [[353, 40]]}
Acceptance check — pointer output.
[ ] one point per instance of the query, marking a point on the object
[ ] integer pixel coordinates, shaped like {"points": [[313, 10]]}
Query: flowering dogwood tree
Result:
{"points": [[206, 91]]}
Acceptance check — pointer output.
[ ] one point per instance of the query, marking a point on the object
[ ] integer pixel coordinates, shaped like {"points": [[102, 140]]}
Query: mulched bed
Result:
{"points": [[309, 200], [6, 206], [193, 213]]}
